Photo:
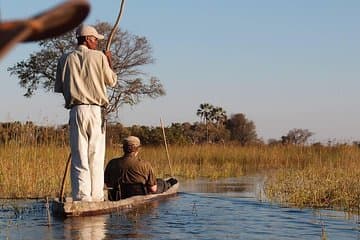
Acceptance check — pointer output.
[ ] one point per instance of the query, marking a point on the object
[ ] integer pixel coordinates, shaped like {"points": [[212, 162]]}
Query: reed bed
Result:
{"points": [[330, 180], [314, 176], [31, 171]]}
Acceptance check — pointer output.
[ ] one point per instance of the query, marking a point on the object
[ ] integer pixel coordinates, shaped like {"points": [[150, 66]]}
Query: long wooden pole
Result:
{"points": [[108, 43], [61, 196], [166, 146]]}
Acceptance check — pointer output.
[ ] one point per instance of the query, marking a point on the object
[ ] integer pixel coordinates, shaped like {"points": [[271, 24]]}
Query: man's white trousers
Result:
{"points": [[87, 141]]}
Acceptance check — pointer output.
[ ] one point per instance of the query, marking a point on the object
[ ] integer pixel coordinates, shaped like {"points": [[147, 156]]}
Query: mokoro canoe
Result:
{"points": [[78, 208]]}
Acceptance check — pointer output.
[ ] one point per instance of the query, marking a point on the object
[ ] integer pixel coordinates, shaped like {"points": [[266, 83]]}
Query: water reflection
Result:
{"points": [[91, 228], [244, 187], [221, 209], [133, 223], [123, 224]]}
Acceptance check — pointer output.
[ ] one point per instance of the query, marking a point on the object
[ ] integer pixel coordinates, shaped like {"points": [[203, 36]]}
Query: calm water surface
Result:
{"points": [[223, 209]]}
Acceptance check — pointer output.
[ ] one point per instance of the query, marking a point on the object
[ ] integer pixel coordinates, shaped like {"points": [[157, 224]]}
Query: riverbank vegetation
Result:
{"points": [[33, 159], [326, 177]]}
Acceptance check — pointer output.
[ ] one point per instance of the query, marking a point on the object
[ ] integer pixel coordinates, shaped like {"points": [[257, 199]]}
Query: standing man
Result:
{"points": [[82, 77]]}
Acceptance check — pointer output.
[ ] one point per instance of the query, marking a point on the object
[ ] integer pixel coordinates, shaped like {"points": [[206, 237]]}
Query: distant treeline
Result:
{"points": [[176, 133], [30, 134], [236, 130]]}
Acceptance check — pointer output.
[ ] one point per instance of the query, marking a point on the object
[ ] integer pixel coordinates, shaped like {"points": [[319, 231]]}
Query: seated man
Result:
{"points": [[129, 175]]}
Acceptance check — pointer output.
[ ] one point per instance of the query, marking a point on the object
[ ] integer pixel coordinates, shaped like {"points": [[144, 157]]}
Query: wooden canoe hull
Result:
{"points": [[78, 208]]}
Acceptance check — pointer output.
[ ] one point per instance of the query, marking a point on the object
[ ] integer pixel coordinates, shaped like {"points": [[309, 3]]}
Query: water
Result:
{"points": [[226, 209]]}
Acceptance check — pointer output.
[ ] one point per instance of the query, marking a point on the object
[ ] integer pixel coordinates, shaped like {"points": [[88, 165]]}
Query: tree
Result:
{"points": [[175, 134], [218, 116], [204, 112], [274, 142], [213, 115], [241, 129], [130, 52], [296, 136]]}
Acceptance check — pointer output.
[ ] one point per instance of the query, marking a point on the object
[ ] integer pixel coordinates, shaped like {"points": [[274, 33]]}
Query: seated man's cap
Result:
{"points": [[86, 30], [132, 141]]}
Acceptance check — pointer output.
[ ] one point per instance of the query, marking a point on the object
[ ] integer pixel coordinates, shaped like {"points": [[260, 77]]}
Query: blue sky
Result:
{"points": [[284, 64]]}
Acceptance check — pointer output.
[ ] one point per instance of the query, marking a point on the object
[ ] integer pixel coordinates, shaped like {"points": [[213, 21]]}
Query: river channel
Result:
{"points": [[203, 209]]}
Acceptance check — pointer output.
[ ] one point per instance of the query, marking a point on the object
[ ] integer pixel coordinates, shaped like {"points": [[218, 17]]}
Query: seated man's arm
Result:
{"points": [[151, 180], [152, 189]]}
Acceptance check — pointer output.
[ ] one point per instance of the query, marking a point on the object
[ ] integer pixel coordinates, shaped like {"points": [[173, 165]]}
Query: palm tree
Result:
{"points": [[218, 116], [205, 113]]}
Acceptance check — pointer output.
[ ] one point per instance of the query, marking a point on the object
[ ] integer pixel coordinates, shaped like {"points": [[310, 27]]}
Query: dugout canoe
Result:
{"points": [[77, 208]]}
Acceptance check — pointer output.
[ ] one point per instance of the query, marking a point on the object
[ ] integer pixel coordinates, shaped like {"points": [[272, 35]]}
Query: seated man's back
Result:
{"points": [[129, 175]]}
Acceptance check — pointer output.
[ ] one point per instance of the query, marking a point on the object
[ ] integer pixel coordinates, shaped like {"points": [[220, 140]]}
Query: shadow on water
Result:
{"points": [[203, 209]]}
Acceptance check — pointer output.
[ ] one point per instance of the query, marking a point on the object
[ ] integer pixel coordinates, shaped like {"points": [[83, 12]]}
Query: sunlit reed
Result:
{"points": [[314, 176]]}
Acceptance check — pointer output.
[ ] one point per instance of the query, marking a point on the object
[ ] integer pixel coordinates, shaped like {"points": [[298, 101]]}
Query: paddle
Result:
{"points": [[50, 23]]}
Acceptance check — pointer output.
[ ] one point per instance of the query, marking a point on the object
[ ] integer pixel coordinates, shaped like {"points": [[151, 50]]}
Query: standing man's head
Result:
{"points": [[131, 144], [88, 36]]}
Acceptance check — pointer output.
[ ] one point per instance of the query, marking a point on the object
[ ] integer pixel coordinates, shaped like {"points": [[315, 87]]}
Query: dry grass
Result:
{"points": [[304, 176], [31, 171], [330, 180], [37, 171]]}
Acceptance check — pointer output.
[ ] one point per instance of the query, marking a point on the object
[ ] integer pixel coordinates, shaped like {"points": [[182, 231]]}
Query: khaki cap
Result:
{"points": [[86, 30], [132, 141]]}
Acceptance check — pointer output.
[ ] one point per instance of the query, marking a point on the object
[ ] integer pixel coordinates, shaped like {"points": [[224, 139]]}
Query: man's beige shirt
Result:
{"points": [[82, 77]]}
